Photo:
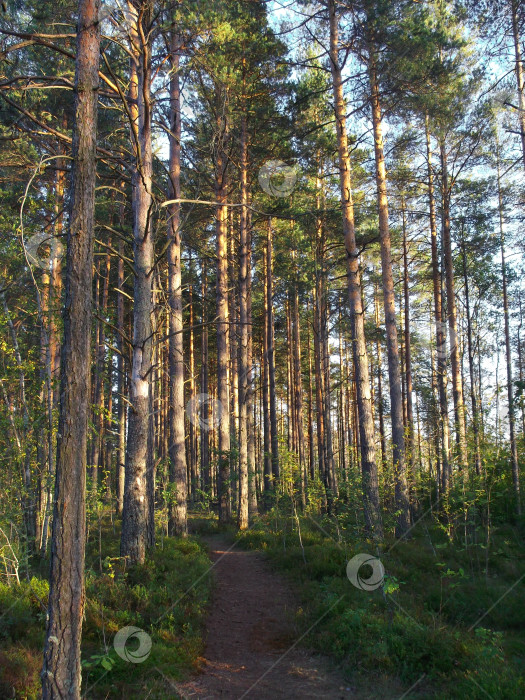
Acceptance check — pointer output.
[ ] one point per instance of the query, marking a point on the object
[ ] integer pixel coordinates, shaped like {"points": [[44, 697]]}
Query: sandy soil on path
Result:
{"points": [[251, 650]]}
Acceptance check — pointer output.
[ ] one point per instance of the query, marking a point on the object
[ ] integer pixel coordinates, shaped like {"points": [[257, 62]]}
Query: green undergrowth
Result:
{"points": [[166, 598], [449, 619]]}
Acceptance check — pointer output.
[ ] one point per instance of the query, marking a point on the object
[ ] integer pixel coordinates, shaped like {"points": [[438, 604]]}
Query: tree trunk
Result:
{"points": [[298, 395], [508, 354], [394, 375], [441, 368], [274, 436], [134, 514], [61, 673], [250, 404], [267, 462], [362, 380], [121, 382], [514, 5], [205, 436], [244, 272], [177, 449], [408, 350], [473, 397], [104, 270], [457, 384], [192, 432], [223, 344]]}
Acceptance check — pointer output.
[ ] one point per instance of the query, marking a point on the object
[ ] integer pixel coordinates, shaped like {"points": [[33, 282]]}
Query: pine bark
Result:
{"points": [[121, 383], [134, 513], [177, 448], [508, 357], [441, 337], [272, 396], [457, 383], [223, 319], [244, 272], [394, 374], [514, 6], [359, 353], [61, 673]]}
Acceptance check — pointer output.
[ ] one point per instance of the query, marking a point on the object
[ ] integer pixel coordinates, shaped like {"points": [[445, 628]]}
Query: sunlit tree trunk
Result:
{"points": [[394, 375], [205, 436], [359, 352], [244, 273], [223, 319], [134, 513], [514, 7], [177, 448]]}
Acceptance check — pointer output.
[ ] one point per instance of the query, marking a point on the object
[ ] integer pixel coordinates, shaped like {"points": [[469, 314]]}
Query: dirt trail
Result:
{"points": [[250, 650]]}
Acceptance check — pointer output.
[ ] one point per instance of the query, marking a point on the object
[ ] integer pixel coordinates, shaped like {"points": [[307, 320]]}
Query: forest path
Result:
{"points": [[250, 650]]}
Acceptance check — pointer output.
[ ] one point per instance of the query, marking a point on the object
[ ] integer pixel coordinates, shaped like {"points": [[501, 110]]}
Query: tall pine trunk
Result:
{"points": [[134, 513], [272, 396], [61, 673], [223, 319], [244, 272], [394, 374], [457, 383], [177, 449], [441, 338], [508, 355], [359, 353]]}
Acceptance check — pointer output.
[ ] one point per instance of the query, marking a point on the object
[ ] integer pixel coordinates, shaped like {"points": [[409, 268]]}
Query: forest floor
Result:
{"points": [[284, 621], [253, 647]]}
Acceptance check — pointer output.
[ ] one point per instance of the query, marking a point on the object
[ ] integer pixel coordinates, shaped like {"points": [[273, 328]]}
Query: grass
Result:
{"points": [[439, 620], [166, 597], [448, 620]]}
